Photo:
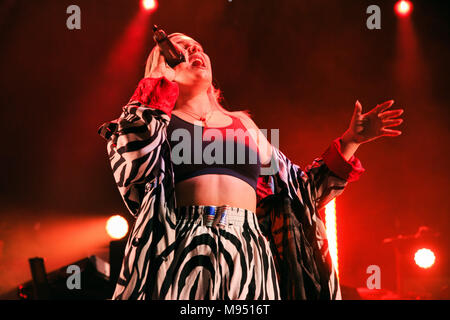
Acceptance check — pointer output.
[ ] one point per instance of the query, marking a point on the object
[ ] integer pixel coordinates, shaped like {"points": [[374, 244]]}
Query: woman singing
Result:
{"points": [[216, 222]]}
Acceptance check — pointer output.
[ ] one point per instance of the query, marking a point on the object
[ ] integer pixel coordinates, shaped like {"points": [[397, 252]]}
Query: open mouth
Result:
{"points": [[197, 61]]}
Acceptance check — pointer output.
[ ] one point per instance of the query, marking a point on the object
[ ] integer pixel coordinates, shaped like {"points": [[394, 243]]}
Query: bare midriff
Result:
{"points": [[216, 190]]}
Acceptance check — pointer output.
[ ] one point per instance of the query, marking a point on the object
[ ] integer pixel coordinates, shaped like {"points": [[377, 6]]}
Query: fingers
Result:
{"points": [[387, 122], [392, 122], [158, 61], [152, 61], [383, 106], [358, 110], [156, 65], [390, 114], [390, 132], [161, 60]]}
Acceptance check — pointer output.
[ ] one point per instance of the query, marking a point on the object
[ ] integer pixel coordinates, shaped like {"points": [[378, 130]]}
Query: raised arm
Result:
{"points": [[135, 138]]}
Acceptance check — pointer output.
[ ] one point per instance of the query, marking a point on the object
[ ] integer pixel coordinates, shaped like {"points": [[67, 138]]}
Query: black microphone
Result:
{"points": [[172, 55]]}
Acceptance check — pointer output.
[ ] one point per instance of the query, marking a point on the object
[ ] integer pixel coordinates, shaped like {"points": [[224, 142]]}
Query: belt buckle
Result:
{"points": [[222, 215], [209, 213], [215, 215]]}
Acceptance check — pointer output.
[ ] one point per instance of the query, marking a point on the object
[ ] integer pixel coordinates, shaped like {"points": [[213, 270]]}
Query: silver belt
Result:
{"points": [[212, 216]]}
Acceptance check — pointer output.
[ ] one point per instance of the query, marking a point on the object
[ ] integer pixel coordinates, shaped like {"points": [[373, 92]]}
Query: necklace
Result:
{"points": [[203, 119]]}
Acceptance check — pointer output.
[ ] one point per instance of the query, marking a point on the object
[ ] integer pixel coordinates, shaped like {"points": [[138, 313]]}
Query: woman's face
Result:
{"points": [[196, 71]]}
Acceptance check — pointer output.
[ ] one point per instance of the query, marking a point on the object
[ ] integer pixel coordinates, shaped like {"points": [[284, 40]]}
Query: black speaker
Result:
{"points": [[93, 281], [350, 293], [41, 287]]}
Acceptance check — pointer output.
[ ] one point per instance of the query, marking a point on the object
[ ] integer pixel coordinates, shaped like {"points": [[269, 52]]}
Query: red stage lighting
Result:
{"points": [[117, 227], [149, 4], [403, 8], [424, 258]]}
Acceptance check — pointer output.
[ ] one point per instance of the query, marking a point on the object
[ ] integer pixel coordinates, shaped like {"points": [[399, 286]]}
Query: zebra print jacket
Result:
{"points": [[288, 201]]}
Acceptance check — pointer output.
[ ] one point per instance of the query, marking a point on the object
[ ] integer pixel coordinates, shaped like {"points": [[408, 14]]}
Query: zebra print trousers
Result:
{"points": [[222, 255]]}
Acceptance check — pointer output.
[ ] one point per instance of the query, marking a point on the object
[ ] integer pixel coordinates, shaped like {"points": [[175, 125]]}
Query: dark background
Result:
{"points": [[298, 66]]}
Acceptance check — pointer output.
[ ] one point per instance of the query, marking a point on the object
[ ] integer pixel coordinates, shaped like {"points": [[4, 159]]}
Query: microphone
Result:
{"points": [[172, 55]]}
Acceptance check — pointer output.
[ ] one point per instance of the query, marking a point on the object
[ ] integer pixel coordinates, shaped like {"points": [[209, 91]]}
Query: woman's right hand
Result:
{"points": [[157, 67]]}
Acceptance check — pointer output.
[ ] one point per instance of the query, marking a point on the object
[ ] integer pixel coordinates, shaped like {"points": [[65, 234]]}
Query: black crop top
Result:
{"points": [[198, 150]]}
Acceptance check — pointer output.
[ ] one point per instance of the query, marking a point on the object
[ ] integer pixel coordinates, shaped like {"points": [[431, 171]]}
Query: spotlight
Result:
{"points": [[403, 8], [149, 4], [117, 227], [424, 258]]}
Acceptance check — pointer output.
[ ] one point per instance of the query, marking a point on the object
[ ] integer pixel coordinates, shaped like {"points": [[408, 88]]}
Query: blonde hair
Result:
{"points": [[214, 93]]}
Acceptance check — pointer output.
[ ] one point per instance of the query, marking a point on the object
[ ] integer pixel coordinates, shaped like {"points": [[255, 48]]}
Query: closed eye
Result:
{"points": [[187, 45]]}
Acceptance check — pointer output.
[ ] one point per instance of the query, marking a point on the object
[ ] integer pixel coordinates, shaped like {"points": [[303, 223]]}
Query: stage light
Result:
{"points": [[117, 227], [331, 229], [403, 8], [424, 258], [149, 4]]}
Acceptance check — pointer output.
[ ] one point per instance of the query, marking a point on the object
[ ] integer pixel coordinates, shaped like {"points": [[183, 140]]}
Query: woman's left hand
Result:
{"points": [[373, 124]]}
